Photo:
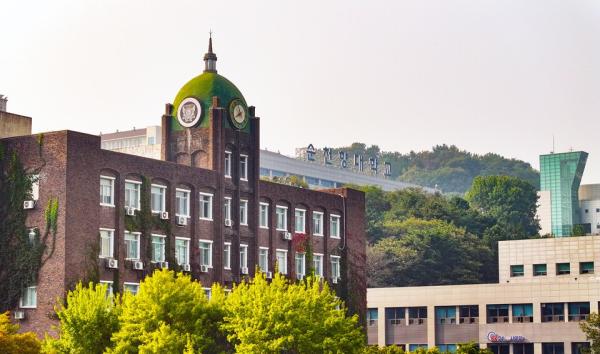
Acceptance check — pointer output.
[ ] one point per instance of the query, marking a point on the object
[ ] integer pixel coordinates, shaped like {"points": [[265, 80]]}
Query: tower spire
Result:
{"points": [[210, 58]]}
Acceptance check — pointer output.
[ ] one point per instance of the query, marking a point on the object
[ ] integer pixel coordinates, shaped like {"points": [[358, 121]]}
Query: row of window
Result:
{"points": [[182, 253], [182, 207], [243, 166], [561, 269], [517, 348]]}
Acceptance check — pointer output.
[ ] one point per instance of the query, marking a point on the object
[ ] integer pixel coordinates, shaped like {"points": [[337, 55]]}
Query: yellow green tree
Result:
{"points": [[12, 342], [279, 316]]}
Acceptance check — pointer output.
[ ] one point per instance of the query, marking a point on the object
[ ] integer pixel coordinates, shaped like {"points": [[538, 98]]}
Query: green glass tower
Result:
{"points": [[560, 174]]}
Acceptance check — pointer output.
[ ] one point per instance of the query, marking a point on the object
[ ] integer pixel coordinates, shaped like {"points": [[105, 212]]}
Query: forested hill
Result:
{"points": [[448, 167]]}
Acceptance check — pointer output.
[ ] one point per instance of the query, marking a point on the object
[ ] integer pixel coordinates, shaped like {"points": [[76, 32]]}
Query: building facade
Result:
{"points": [[201, 208], [547, 286], [12, 124]]}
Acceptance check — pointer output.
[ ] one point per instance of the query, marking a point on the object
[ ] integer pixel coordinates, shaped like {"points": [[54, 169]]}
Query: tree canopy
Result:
{"points": [[12, 342]]}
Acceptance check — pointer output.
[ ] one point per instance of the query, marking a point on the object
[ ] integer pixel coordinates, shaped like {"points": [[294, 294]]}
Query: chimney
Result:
{"points": [[3, 100]]}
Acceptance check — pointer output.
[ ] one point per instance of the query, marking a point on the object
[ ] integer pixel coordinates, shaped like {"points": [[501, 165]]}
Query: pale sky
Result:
{"points": [[488, 76]]}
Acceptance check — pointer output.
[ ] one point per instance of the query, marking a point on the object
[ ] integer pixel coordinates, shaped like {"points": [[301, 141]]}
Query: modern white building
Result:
{"points": [[547, 286]]}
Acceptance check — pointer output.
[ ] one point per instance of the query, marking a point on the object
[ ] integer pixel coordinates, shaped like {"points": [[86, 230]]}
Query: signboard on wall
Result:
{"points": [[493, 337]]}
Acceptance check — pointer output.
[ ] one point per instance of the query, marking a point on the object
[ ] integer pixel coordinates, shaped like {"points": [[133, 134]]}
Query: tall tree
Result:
{"points": [[591, 328]]}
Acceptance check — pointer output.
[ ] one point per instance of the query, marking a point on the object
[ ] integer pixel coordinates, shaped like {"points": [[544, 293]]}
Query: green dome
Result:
{"points": [[203, 87]]}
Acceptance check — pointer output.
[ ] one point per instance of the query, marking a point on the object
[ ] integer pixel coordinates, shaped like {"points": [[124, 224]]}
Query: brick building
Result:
{"points": [[204, 208]]}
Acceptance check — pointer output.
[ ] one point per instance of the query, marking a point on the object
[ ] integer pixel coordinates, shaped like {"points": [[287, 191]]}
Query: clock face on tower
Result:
{"points": [[237, 113], [189, 112]]}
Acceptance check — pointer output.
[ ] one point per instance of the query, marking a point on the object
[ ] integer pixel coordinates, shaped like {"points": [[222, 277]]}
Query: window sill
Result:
{"points": [[335, 237], [283, 230], [207, 219], [107, 205], [227, 268], [244, 179], [182, 216], [263, 227], [29, 307], [320, 235], [106, 257]]}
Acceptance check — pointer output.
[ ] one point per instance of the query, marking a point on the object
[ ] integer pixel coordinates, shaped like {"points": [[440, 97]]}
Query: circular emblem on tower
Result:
{"points": [[237, 113], [190, 112]]}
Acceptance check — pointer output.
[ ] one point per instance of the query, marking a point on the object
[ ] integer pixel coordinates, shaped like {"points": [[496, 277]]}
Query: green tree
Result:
{"points": [[169, 314], [87, 321], [471, 348], [390, 349], [12, 342], [591, 328], [303, 317]]}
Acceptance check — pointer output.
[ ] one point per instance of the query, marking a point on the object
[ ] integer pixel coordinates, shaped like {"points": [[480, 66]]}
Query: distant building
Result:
{"points": [[12, 124]]}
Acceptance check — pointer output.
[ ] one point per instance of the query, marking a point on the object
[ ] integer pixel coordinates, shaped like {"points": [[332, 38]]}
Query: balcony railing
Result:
{"points": [[553, 318], [498, 319], [416, 321], [522, 319], [469, 320], [576, 318]]}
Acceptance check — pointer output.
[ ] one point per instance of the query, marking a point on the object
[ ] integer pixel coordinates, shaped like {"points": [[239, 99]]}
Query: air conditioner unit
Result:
{"points": [[19, 315], [130, 211], [164, 215], [112, 263], [244, 270], [138, 265], [228, 222], [163, 265], [187, 268], [181, 220], [269, 275], [203, 268], [28, 204], [287, 235], [334, 280]]}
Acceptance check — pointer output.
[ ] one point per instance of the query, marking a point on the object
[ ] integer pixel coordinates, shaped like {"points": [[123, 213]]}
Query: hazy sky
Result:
{"points": [[488, 76]]}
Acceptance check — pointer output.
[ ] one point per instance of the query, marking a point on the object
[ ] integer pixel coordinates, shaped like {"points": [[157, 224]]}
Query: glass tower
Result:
{"points": [[561, 175]]}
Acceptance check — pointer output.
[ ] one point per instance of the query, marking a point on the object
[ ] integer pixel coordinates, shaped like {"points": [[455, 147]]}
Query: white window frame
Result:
{"points": [[339, 266], [303, 212], [227, 211], [279, 266], [111, 244], [339, 225], [137, 285], [321, 257], [210, 206], [164, 198], [26, 291], [244, 167], [210, 252], [303, 264], [139, 240], [227, 264], [138, 185], [31, 233], [207, 293], [244, 212], [284, 217], [112, 191], [35, 187], [266, 269], [109, 287], [187, 207], [316, 213], [164, 250], [227, 164], [186, 239], [266, 205], [244, 260]]}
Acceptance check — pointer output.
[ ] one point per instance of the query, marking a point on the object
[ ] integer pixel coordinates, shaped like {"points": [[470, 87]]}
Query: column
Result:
{"points": [[537, 348], [381, 326], [430, 326], [537, 312]]}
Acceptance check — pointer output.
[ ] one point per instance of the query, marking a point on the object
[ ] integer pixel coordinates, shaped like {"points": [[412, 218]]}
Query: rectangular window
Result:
{"points": [[132, 194], [227, 209], [578, 311], [158, 248], [264, 216], [35, 187], [227, 167], [414, 347], [227, 255], [469, 314], [207, 293], [334, 226], [182, 199], [243, 212], [263, 259], [523, 348], [563, 268], [299, 220], [445, 314], [182, 250], [579, 348], [157, 198], [206, 206], [109, 287], [318, 264], [335, 267], [107, 191], [516, 270], [244, 167], [281, 218], [281, 261], [586, 268], [206, 253], [300, 265], [447, 348], [106, 243], [132, 245], [539, 269], [553, 348], [395, 315], [522, 313], [131, 287], [372, 316], [29, 297], [553, 312], [317, 223], [243, 256], [497, 313]]}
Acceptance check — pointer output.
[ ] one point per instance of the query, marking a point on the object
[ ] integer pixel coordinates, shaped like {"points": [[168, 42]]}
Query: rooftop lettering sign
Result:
{"points": [[342, 159]]}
